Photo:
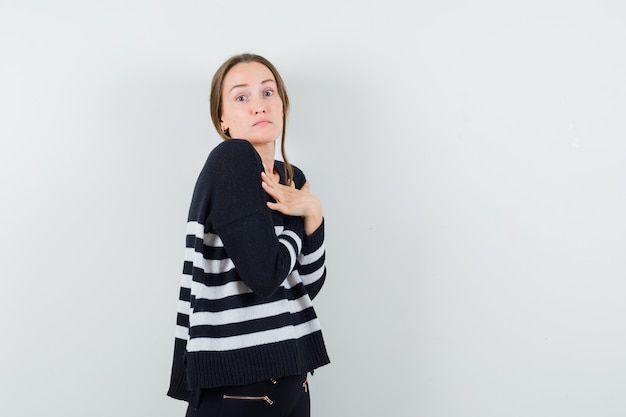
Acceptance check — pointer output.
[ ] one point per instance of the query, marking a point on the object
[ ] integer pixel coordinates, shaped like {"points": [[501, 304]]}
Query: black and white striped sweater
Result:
{"points": [[249, 275]]}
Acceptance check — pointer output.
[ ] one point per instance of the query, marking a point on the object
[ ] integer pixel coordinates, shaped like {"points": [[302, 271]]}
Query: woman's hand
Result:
{"points": [[294, 202]]}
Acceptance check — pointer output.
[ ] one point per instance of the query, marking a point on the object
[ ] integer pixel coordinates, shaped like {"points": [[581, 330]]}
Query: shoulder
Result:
{"points": [[231, 176], [233, 158], [231, 162], [233, 149]]}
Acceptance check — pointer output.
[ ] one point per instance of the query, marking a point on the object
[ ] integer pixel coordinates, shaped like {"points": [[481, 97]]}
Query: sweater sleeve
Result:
{"points": [[312, 262], [239, 215]]}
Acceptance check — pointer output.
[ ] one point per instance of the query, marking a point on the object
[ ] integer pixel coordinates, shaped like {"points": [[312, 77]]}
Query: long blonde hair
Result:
{"points": [[217, 87]]}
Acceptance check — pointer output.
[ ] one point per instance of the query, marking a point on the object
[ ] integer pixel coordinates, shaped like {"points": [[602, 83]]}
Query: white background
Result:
{"points": [[470, 157]]}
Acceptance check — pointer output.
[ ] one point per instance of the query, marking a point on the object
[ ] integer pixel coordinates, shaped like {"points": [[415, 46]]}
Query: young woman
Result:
{"points": [[247, 334]]}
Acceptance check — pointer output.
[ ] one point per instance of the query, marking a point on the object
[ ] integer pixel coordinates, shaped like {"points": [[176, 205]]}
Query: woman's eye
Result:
{"points": [[240, 98], [268, 93]]}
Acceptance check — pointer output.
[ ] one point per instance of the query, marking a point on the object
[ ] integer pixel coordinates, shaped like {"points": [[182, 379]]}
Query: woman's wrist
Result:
{"points": [[313, 218], [311, 224]]}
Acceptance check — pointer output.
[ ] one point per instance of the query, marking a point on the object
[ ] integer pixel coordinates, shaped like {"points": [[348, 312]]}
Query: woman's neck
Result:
{"points": [[267, 152]]}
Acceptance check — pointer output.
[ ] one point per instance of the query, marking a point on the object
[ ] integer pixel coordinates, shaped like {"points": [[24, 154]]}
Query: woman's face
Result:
{"points": [[251, 106]]}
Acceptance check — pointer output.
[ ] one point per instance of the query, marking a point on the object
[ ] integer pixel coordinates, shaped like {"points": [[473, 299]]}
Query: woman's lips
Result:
{"points": [[262, 122]]}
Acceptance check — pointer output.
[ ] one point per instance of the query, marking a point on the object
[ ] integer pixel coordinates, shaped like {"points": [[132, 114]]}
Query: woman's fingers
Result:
{"points": [[293, 202], [289, 199], [267, 182]]}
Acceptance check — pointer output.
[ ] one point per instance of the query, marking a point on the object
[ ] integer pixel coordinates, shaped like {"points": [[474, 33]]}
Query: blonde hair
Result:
{"points": [[217, 88]]}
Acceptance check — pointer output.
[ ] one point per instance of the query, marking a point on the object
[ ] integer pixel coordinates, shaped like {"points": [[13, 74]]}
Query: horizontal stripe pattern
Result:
{"points": [[253, 326], [196, 229], [254, 339], [314, 276], [209, 266], [312, 267], [217, 305], [254, 311], [312, 257], [226, 333]]}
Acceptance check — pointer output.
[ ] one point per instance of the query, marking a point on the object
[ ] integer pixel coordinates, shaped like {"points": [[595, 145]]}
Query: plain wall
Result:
{"points": [[470, 157]]}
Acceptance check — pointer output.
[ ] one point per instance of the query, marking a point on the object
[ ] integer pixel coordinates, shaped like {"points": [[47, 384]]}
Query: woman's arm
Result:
{"points": [[293, 202], [240, 216]]}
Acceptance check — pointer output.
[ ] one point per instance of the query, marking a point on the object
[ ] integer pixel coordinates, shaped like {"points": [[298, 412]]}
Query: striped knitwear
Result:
{"points": [[249, 275]]}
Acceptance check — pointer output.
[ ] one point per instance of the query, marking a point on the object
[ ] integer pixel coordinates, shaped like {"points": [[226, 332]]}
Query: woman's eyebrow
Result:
{"points": [[246, 85]]}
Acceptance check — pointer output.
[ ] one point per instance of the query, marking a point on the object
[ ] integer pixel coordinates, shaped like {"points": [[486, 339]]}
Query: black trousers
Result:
{"points": [[284, 397]]}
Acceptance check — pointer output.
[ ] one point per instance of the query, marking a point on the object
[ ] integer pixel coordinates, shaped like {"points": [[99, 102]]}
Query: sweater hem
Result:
{"points": [[249, 365]]}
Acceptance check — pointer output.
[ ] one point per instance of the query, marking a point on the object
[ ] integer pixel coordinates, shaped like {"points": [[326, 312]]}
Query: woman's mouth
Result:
{"points": [[262, 122]]}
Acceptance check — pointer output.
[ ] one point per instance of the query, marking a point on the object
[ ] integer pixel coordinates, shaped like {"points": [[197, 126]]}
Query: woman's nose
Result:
{"points": [[258, 106]]}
